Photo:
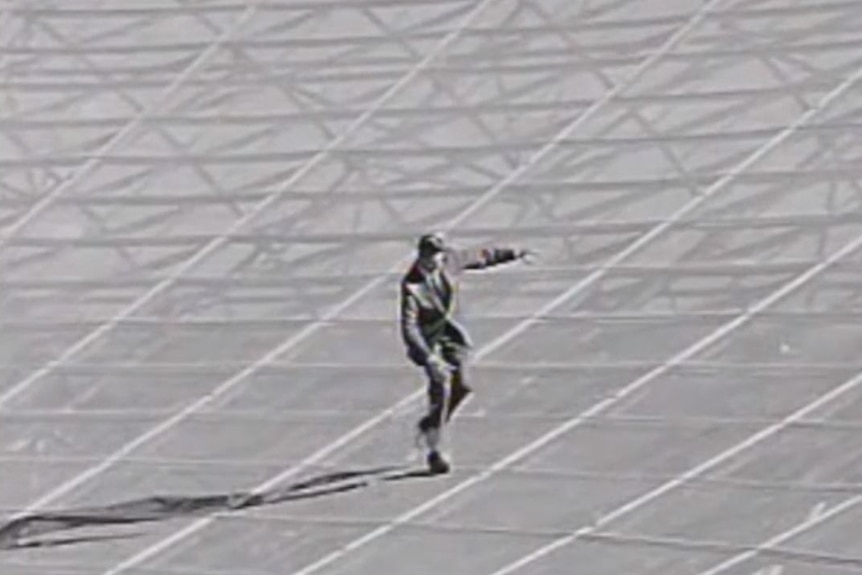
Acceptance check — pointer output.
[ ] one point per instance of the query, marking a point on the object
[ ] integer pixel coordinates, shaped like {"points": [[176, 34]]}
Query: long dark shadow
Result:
{"points": [[26, 531], [46, 543]]}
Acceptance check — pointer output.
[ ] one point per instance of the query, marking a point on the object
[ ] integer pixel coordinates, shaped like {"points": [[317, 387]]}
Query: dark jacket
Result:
{"points": [[428, 314]]}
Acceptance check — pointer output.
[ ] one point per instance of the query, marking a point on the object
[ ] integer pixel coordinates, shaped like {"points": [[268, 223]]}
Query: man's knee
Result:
{"points": [[460, 373], [457, 356], [437, 374]]}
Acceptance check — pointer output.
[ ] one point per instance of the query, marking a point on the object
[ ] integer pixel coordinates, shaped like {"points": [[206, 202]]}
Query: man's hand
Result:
{"points": [[439, 368], [528, 256]]}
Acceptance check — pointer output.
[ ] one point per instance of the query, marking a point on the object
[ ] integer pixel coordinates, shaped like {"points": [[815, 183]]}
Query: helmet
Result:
{"points": [[430, 244]]}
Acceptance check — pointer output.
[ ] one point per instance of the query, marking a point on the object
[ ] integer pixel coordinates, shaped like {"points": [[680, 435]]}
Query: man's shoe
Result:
{"points": [[436, 464]]}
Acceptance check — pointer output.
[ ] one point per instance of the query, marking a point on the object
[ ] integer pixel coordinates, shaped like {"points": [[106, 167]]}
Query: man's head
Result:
{"points": [[430, 248]]}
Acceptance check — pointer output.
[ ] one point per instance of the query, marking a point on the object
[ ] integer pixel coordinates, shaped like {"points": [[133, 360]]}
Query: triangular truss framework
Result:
{"points": [[222, 195]]}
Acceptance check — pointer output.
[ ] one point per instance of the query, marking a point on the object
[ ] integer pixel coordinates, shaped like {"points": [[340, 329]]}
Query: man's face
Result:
{"points": [[431, 262]]}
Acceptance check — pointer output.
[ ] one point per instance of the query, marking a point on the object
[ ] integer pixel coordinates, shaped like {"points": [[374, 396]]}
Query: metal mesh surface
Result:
{"points": [[205, 208]]}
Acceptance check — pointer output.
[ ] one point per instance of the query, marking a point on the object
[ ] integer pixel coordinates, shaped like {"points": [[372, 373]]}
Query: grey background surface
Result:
{"points": [[205, 207]]}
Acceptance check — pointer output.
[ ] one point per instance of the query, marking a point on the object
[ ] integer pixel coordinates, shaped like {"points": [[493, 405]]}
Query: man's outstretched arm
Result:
{"points": [[481, 258]]}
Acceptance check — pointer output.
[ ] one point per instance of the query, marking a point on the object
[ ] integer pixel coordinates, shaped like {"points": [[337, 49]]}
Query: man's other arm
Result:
{"points": [[410, 330]]}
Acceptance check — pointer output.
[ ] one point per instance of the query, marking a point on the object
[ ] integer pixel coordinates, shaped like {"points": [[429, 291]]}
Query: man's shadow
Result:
{"points": [[29, 531]]}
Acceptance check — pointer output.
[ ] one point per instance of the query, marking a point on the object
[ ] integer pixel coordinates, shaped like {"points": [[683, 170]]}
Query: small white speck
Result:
{"points": [[772, 570]]}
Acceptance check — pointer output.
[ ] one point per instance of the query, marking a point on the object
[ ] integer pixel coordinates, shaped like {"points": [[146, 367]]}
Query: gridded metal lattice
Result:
{"points": [[205, 207]]}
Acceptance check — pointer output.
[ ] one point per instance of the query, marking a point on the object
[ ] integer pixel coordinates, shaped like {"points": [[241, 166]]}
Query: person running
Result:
{"points": [[435, 340]]}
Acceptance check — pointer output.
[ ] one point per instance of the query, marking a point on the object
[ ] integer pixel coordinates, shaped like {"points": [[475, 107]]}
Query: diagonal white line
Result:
{"points": [[371, 423], [701, 469], [721, 332], [687, 353], [169, 423], [789, 534], [604, 405], [121, 135], [220, 240]]}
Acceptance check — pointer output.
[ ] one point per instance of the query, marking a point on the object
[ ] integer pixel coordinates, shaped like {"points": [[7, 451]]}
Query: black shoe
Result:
{"points": [[436, 464]]}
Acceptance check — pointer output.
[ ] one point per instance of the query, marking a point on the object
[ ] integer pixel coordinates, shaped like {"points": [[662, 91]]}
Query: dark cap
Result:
{"points": [[430, 244]]}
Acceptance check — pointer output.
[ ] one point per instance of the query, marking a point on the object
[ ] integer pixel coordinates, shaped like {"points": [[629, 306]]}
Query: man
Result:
{"points": [[435, 340]]}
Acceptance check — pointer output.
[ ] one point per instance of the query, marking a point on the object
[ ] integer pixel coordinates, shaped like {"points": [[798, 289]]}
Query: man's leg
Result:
{"points": [[457, 357], [458, 392], [433, 419], [436, 392], [437, 380], [430, 426]]}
